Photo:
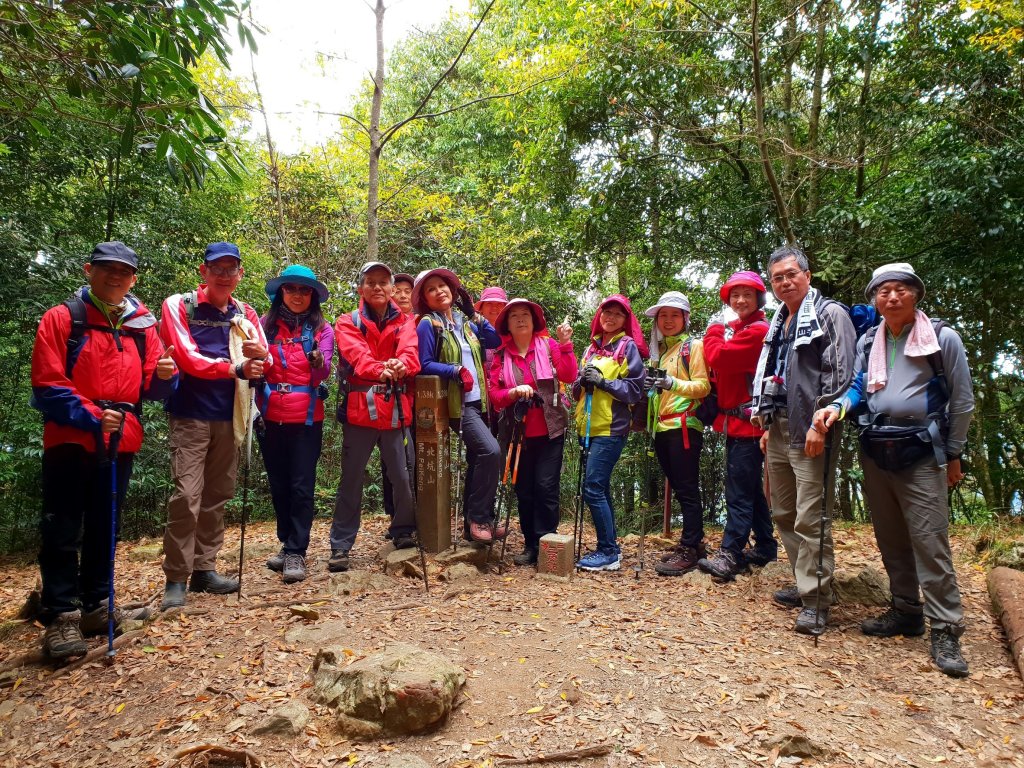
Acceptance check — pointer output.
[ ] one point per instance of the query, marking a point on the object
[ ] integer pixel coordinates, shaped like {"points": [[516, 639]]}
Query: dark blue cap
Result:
{"points": [[115, 250], [216, 251]]}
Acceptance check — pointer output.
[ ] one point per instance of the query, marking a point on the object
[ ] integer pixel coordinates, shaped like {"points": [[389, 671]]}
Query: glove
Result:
{"points": [[464, 378], [464, 303], [664, 382], [650, 382], [716, 319], [591, 377]]}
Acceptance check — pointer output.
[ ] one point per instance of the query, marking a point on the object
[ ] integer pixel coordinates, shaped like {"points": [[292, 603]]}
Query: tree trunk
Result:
{"points": [[781, 209], [814, 121], [655, 202], [373, 176], [867, 54], [275, 168]]}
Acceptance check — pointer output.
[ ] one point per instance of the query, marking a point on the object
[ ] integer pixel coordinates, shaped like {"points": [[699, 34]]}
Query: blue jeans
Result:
{"points": [[597, 492], [746, 508]]}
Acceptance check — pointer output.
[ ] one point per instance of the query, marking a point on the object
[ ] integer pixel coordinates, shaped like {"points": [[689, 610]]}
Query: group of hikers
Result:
{"points": [[779, 391]]}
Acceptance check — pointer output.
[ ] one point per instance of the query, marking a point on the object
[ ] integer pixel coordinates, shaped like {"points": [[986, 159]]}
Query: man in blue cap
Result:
{"points": [[219, 346]]}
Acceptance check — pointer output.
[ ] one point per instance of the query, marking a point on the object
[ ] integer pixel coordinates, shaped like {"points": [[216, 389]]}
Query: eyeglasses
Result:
{"points": [[786, 277], [223, 271], [302, 290], [117, 270]]}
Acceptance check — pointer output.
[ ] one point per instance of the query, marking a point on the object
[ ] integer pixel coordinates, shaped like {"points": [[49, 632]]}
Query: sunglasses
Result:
{"points": [[302, 290]]}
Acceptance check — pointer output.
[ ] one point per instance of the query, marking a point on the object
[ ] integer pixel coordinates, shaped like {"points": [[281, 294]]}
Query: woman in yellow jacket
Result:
{"points": [[673, 396]]}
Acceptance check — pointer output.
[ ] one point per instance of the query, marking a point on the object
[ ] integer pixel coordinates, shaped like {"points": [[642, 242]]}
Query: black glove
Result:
{"points": [[591, 377], [464, 303]]}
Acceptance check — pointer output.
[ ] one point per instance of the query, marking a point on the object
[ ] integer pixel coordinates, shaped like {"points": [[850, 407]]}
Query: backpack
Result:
{"points": [[707, 411], [938, 387], [637, 411], [76, 339], [308, 344]]}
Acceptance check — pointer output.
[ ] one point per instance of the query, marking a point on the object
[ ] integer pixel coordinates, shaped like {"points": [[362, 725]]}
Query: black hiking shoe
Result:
{"points": [[174, 595], [760, 559], [404, 541], [811, 622], [892, 623], [212, 582], [527, 557], [788, 597], [945, 651], [338, 561], [94, 622], [294, 568], [722, 565], [63, 636], [276, 562]]}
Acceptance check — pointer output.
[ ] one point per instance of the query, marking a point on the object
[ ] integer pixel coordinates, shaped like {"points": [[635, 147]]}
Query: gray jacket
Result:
{"points": [[818, 372]]}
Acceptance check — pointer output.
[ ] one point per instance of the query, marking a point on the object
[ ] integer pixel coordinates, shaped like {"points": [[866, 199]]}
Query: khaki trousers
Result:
{"points": [[797, 487], [910, 515], [204, 464]]}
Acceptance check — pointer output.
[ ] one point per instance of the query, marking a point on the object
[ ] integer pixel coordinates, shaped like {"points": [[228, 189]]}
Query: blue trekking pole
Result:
{"points": [[115, 440], [584, 459]]}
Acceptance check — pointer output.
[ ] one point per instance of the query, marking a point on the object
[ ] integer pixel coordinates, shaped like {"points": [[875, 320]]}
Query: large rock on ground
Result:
{"points": [[289, 719], [776, 570], [867, 587], [793, 743], [147, 551], [254, 550], [358, 582], [399, 690], [326, 633], [471, 552], [1006, 589], [460, 572], [404, 562]]}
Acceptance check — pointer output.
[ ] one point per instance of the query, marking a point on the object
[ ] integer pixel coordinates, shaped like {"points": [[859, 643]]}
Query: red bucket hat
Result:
{"points": [[744, 278], [539, 323]]}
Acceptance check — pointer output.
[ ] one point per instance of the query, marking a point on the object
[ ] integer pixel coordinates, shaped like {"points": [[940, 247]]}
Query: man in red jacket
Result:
{"points": [[378, 344], [732, 349], [96, 356]]}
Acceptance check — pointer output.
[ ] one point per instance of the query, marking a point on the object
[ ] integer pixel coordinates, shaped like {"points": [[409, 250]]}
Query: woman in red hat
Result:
{"points": [[731, 348], [524, 384], [613, 374], [452, 338]]}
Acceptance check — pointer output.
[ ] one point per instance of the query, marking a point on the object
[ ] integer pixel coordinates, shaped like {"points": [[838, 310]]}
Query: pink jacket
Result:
{"points": [[563, 363], [282, 404]]}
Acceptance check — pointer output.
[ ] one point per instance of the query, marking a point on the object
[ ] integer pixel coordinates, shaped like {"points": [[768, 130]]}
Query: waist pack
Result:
{"points": [[898, 446]]}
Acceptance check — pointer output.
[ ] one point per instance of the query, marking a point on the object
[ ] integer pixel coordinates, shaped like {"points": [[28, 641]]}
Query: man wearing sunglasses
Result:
{"points": [[218, 345]]}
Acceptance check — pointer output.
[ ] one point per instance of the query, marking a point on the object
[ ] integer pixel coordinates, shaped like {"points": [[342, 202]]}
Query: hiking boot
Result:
{"points": [[600, 561], [683, 561], [63, 636], [945, 651], [722, 565], [404, 541], [760, 559], [212, 582], [276, 563], [892, 623], [94, 622], [338, 561], [788, 597], [174, 595], [668, 554], [500, 531], [481, 532], [526, 557], [811, 622], [294, 568]]}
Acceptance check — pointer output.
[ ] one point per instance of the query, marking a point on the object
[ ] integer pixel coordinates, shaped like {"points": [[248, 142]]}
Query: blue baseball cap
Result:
{"points": [[216, 251], [117, 251]]}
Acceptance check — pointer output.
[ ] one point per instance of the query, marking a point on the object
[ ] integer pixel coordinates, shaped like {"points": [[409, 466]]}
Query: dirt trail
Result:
{"points": [[669, 671]]}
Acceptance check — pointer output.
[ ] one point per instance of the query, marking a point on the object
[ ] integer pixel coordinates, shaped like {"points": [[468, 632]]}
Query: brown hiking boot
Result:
{"points": [[338, 561], [63, 636], [94, 622], [668, 554], [682, 561], [294, 568]]}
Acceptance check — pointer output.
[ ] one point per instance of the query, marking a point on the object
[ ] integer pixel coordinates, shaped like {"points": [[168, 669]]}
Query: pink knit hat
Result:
{"points": [[493, 293], [745, 278]]}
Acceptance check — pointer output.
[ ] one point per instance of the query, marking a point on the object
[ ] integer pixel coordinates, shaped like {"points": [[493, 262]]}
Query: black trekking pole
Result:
{"points": [[819, 628], [115, 441], [458, 503], [515, 449], [245, 492], [645, 510], [584, 459], [410, 471]]}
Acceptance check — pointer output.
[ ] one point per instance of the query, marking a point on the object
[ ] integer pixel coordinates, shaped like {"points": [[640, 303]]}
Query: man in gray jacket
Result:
{"points": [[913, 387], [806, 363]]}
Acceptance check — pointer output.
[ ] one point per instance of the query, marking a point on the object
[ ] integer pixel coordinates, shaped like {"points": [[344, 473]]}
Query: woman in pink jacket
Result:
{"points": [[292, 404], [524, 381]]}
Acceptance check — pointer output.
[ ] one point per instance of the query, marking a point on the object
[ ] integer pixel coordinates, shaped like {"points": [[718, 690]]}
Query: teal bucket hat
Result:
{"points": [[298, 275]]}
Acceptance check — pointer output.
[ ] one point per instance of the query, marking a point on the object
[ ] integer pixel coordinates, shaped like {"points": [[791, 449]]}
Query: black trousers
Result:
{"points": [[681, 466], [537, 486], [290, 453], [74, 560]]}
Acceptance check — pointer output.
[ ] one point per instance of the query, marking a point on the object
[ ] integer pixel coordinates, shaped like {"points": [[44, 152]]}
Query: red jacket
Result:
{"points": [[101, 371], [734, 363], [366, 350], [291, 406]]}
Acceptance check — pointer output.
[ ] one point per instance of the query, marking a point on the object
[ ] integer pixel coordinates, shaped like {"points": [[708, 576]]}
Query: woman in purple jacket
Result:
{"points": [[291, 402]]}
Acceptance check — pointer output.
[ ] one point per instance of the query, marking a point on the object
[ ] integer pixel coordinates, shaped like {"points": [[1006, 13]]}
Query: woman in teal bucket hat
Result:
{"points": [[291, 402]]}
